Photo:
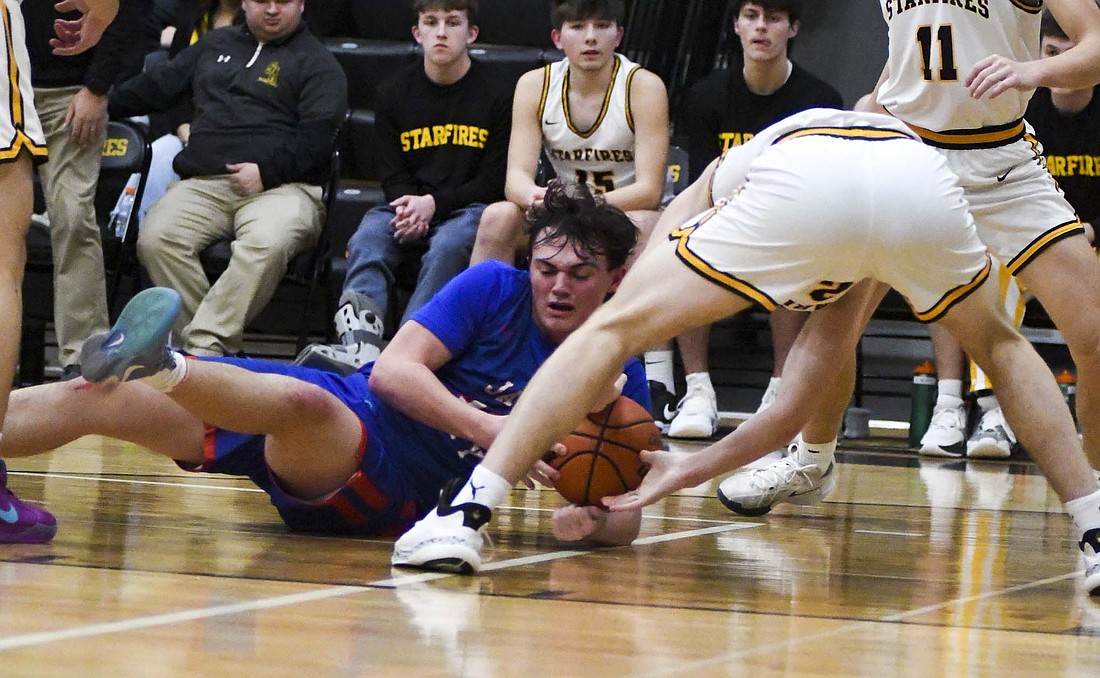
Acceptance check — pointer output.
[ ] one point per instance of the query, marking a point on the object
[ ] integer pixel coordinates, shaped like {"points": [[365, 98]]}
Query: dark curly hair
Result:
{"points": [[571, 211]]}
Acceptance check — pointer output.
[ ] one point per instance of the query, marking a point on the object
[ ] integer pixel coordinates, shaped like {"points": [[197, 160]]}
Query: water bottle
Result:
{"points": [[921, 401], [1068, 383], [120, 215]]}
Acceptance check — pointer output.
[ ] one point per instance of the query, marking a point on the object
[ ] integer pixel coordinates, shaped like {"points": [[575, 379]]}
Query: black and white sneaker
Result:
{"points": [[449, 539], [663, 405]]}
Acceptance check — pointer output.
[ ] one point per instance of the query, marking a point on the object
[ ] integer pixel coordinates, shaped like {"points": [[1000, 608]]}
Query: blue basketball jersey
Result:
{"points": [[484, 318]]}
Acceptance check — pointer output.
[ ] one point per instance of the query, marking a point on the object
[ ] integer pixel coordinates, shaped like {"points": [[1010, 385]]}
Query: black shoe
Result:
{"points": [[69, 372], [662, 405]]}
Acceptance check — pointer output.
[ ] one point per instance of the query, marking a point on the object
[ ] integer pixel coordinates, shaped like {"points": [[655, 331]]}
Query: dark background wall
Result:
{"points": [[844, 43]]}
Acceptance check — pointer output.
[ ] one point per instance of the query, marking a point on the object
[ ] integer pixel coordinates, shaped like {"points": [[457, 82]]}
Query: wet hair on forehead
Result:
{"points": [[793, 8], [570, 212], [470, 7], [579, 10]]}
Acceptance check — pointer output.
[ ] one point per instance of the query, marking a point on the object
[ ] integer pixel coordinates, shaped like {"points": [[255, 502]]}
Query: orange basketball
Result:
{"points": [[602, 458]]}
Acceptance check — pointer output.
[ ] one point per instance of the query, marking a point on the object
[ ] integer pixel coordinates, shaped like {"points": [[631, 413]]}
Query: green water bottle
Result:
{"points": [[921, 401]]}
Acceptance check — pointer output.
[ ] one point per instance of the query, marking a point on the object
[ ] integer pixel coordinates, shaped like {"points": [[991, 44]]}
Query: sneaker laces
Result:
{"points": [[698, 400], [947, 417], [993, 419], [783, 472]]}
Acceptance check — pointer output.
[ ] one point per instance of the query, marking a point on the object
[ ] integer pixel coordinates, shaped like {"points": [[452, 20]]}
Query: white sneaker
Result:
{"points": [[993, 438], [1090, 549], [946, 434], [448, 539], [697, 416], [770, 394], [755, 492]]}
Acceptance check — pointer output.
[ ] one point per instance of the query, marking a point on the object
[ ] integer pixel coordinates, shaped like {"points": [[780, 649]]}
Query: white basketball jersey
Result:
{"points": [[734, 165], [603, 155], [934, 45]]}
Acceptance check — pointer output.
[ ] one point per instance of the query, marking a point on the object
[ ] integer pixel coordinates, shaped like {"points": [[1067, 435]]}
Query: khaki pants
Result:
{"points": [[69, 184], [267, 229]]}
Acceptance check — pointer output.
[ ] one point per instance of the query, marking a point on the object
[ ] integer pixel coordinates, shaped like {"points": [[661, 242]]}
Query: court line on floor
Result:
{"points": [[130, 481], [151, 621], [848, 627]]}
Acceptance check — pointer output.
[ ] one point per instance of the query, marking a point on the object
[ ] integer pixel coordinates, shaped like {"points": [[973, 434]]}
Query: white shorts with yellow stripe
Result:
{"points": [[820, 213], [20, 129], [1016, 203]]}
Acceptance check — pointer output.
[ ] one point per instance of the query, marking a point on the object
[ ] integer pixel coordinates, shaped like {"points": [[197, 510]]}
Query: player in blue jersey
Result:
{"points": [[367, 453]]}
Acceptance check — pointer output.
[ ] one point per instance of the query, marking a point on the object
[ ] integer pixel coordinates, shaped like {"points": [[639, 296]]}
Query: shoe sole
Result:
{"points": [[949, 452], [988, 452], [441, 558], [36, 534], [1092, 583], [145, 323], [808, 498], [691, 434]]}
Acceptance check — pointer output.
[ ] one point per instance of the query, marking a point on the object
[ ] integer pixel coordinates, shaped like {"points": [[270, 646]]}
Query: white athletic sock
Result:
{"points": [[1085, 511], [167, 379], [948, 401], [952, 388], [700, 380], [818, 454], [484, 487], [658, 367]]}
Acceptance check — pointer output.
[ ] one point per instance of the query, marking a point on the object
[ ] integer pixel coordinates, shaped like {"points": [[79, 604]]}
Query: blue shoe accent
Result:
{"points": [[137, 345]]}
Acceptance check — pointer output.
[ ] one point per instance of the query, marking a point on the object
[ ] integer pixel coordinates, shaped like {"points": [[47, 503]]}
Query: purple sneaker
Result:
{"points": [[22, 523]]}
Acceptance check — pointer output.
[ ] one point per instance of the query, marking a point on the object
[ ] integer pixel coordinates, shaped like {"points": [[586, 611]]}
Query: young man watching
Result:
{"points": [[442, 128], [602, 121]]}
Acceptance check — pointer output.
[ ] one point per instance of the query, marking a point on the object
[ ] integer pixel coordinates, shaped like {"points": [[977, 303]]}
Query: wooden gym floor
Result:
{"points": [[910, 569]]}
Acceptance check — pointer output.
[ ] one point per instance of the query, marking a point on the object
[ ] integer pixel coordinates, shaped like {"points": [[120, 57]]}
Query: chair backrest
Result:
{"points": [[126, 151]]}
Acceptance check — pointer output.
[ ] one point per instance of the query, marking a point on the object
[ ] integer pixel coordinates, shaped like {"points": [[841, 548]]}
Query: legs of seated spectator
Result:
{"points": [[268, 229], [373, 257], [192, 215], [450, 244], [69, 185], [500, 234]]}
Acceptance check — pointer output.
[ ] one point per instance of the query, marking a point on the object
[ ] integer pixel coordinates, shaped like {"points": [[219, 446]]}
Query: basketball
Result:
{"points": [[603, 453]]}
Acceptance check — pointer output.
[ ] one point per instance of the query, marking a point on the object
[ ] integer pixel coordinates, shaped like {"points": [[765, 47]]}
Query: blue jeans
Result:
{"points": [[374, 256]]}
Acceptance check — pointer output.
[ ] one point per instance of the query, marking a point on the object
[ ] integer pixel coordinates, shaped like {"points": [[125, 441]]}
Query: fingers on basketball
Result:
{"points": [[603, 456]]}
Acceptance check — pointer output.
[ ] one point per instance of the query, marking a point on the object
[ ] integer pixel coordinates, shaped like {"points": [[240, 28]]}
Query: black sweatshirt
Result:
{"points": [[117, 56], [447, 141], [276, 104]]}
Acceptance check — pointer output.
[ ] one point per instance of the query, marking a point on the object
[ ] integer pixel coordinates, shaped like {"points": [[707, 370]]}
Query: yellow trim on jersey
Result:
{"points": [[955, 296], [16, 103], [1041, 243], [1029, 8], [986, 137], [857, 133], [22, 143], [545, 90], [629, 112], [704, 269], [603, 110]]}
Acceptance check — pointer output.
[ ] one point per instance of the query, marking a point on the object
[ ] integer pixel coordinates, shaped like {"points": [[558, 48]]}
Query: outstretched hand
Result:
{"points": [[664, 476], [79, 35], [995, 75]]}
